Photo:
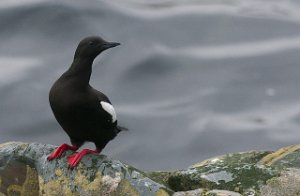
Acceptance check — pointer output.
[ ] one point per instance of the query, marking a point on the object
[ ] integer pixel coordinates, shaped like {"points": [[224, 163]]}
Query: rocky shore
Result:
{"points": [[24, 170]]}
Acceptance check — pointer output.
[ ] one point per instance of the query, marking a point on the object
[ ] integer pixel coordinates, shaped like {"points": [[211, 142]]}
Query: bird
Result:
{"points": [[84, 113]]}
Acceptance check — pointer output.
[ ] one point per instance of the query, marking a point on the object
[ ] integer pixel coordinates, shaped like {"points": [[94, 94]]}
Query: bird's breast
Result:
{"points": [[65, 101]]}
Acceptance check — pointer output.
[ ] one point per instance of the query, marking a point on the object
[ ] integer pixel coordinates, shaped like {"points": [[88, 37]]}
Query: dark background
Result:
{"points": [[191, 80]]}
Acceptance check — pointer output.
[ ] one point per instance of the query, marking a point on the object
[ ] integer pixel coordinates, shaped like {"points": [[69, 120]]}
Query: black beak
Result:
{"points": [[108, 45]]}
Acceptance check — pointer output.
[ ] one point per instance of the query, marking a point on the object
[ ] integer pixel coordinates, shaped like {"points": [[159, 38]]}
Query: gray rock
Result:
{"points": [[222, 193], [247, 173], [24, 170], [196, 192], [287, 184], [238, 172]]}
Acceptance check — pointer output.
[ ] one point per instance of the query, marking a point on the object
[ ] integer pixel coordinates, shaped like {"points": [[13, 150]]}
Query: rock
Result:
{"points": [[24, 170], [248, 173], [287, 160], [236, 172], [201, 192], [287, 184], [284, 157], [189, 193], [221, 193]]}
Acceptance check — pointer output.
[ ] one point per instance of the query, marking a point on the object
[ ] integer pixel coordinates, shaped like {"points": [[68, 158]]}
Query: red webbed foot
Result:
{"points": [[74, 159], [60, 150]]}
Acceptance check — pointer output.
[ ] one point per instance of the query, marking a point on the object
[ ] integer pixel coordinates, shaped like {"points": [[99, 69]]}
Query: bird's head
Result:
{"points": [[91, 47]]}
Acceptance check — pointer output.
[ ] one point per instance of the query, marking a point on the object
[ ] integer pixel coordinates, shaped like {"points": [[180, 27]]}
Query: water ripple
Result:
{"points": [[237, 50]]}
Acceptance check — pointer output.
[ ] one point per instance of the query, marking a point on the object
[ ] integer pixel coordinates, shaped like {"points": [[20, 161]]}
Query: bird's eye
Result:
{"points": [[91, 43]]}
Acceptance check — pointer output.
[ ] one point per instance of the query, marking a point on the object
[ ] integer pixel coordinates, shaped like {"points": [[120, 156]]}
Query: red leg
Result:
{"points": [[74, 159], [60, 150]]}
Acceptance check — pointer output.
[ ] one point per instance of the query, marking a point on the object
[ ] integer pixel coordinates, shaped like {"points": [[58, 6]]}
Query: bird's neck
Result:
{"points": [[80, 72]]}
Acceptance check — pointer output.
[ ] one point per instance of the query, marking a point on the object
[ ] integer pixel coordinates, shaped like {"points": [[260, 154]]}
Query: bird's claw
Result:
{"points": [[74, 159], [60, 150]]}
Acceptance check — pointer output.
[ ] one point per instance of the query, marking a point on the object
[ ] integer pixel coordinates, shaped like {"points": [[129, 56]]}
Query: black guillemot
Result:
{"points": [[84, 113]]}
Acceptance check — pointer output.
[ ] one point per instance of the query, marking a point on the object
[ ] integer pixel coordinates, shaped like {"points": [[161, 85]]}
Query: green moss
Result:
{"points": [[183, 183], [160, 177], [235, 172]]}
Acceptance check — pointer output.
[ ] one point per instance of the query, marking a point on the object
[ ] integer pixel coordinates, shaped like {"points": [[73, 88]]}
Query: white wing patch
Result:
{"points": [[109, 109]]}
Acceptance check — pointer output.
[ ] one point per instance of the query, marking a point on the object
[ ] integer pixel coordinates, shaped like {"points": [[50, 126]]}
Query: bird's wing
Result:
{"points": [[101, 96], [106, 104]]}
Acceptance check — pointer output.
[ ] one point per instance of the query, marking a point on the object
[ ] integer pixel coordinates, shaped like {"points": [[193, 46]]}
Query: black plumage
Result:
{"points": [[84, 113]]}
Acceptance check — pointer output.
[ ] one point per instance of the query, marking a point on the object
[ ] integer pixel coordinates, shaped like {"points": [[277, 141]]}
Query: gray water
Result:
{"points": [[191, 80]]}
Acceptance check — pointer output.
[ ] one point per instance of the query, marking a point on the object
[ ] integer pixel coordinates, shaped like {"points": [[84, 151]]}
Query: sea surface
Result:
{"points": [[192, 79]]}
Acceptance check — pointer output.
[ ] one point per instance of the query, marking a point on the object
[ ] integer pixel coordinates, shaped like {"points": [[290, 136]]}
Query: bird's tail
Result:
{"points": [[118, 129]]}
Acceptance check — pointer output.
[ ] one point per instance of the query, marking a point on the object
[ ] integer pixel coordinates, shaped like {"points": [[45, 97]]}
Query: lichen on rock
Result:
{"points": [[95, 175], [24, 170], [235, 172], [287, 184]]}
